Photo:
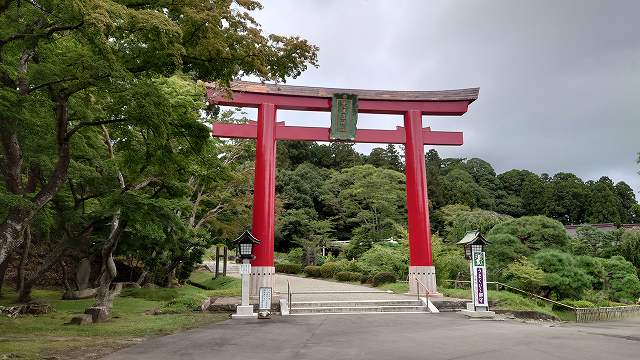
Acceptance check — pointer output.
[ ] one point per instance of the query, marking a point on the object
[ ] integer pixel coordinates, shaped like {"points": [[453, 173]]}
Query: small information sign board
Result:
{"points": [[265, 303]]}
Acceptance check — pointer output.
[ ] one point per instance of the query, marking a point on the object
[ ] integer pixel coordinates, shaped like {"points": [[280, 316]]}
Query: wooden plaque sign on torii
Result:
{"points": [[268, 98]]}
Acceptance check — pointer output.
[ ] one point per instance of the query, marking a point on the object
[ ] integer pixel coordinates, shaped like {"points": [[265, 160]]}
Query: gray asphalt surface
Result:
{"points": [[393, 336]]}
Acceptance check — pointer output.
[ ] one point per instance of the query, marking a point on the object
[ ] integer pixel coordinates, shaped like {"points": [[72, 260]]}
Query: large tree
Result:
{"points": [[66, 63]]}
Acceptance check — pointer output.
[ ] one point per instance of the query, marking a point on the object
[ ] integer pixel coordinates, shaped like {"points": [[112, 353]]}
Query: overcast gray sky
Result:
{"points": [[559, 80]]}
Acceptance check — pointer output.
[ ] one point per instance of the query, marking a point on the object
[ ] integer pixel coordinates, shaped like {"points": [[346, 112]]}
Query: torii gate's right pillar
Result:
{"points": [[420, 257]]}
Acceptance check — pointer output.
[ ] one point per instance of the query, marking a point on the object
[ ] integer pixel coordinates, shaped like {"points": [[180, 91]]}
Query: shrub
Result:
{"points": [[383, 278], [449, 260], [523, 274], [289, 268], [574, 303], [504, 249], [630, 247], [295, 256], [365, 279], [330, 269], [381, 258], [624, 285], [312, 270], [348, 276], [562, 275]]}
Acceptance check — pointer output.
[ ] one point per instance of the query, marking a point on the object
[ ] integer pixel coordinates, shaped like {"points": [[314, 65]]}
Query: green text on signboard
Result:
{"points": [[344, 116]]}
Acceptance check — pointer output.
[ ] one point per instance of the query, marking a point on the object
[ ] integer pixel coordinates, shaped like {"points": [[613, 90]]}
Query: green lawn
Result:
{"points": [[31, 337], [222, 286]]}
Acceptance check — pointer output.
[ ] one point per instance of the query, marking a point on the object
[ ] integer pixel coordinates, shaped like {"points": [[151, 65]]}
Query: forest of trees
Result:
{"points": [[363, 196]]}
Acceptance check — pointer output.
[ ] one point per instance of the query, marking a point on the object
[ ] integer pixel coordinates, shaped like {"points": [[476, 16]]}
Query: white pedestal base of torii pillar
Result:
{"points": [[262, 276], [427, 276]]}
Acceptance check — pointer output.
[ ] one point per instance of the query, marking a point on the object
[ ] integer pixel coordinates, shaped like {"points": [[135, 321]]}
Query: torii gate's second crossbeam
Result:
{"points": [[412, 104]]}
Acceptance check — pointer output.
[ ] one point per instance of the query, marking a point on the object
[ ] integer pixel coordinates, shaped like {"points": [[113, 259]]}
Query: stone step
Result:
{"points": [[359, 309], [355, 303]]}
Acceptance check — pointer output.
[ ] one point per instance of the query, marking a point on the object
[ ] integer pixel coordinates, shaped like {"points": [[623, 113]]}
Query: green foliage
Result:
{"points": [[525, 275], [622, 279], [288, 268], [151, 294], [562, 276], [604, 204], [477, 219], [449, 261], [368, 203], [575, 303], [383, 278], [630, 247], [381, 258], [205, 280], [183, 303], [330, 269], [565, 198], [535, 232], [312, 271], [502, 251], [295, 256], [593, 242], [348, 276]]}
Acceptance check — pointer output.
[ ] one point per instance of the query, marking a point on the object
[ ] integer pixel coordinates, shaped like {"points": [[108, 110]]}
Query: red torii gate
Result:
{"points": [[411, 104]]}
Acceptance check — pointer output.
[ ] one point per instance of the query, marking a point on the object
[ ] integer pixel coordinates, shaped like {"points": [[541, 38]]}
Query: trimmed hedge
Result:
{"points": [[289, 268], [365, 279], [330, 269], [312, 270], [383, 278], [348, 276]]}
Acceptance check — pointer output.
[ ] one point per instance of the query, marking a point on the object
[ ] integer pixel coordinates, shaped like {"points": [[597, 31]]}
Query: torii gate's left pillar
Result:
{"points": [[264, 199]]}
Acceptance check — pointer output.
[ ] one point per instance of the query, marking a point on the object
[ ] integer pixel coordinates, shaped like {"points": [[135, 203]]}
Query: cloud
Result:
{"points": [[559, 80]]}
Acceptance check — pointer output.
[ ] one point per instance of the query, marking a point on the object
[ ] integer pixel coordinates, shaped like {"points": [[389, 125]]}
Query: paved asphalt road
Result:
{"points": [[393, 336]]}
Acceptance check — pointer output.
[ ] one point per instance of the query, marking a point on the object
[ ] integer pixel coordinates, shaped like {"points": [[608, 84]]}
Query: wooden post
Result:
{"points": [[217, 261], [224, 261]]}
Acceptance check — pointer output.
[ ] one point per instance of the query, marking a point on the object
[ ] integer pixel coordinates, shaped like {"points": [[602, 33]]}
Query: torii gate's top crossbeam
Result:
{"points": [[249, 94], [288, 97]]}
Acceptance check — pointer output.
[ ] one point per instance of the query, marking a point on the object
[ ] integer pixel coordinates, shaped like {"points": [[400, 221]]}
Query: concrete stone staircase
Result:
{"points": [[358, 307]]}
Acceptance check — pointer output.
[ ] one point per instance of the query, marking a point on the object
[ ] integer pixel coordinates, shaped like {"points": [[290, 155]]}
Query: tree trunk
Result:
{"points": [[54, 257], [23, 260], [108, 272], [83, 274], [217, 273], [11, 234], [142, 277], [3, 270], [11, 229], [171, 276], [309, 256]]}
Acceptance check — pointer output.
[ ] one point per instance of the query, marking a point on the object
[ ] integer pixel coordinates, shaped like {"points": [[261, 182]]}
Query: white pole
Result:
{"points": [[245, 285], [245, 310]]}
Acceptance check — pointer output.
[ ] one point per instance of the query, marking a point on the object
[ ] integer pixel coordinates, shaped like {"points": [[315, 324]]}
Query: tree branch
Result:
{"points": [[92, 123]]}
